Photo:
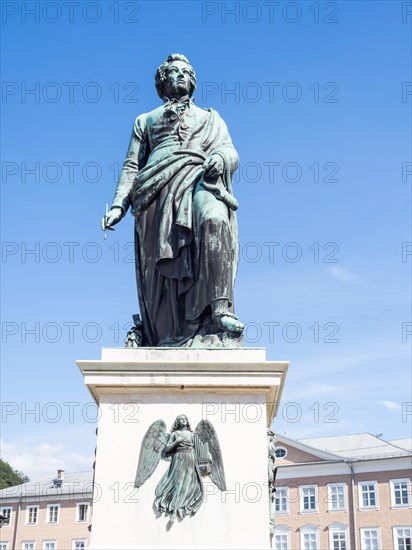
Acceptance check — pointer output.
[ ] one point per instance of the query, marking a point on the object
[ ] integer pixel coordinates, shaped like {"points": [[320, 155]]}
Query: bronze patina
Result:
{"points": [[192, 455], [176, 180]]}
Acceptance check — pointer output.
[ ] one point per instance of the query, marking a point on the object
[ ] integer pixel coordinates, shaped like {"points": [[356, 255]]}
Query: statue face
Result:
{"points": [[182, 421], [177, 80]]}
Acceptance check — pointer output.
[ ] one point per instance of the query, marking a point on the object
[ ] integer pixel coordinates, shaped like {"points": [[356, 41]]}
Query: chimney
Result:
{"points": [[58, 482]]}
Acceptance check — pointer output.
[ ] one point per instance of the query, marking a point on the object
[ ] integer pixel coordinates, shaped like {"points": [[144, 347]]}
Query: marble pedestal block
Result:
{"points": [[236, 389]]}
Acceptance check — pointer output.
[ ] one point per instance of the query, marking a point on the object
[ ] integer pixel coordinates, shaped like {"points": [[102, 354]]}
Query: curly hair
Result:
{"points": [[176, 424], [161, 74]]}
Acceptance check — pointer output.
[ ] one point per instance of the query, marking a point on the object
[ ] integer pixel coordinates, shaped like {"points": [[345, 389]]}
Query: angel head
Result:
{"points": [[181, 423]]}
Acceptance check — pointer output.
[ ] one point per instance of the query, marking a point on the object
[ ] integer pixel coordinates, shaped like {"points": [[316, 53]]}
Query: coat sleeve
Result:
{"points": [[135, 159]]}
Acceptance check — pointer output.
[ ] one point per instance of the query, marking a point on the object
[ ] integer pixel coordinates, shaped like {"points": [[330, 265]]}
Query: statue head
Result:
{"points": [[175, 77], [181, 423]]}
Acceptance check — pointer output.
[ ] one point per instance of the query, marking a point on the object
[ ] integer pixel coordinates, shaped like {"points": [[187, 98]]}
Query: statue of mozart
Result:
{"points": [[176, 179]]}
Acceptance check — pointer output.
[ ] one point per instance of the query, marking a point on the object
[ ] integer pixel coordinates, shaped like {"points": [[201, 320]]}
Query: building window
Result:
{"points": [[368, 497], [6, 512], [308, 498], [400, 492], [336, 496], [403, 538], [281, 452], [338, 536], [281, 538], [79, 544], [370, 539], [4, 546], [49, 545], [309, 538], [338, 540], [82, 509], [281, 500], [28, 545], [52, 513], [31, 515]]}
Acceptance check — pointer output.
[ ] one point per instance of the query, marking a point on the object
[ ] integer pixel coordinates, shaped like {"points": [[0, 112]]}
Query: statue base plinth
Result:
{"points": [[236, 389]]}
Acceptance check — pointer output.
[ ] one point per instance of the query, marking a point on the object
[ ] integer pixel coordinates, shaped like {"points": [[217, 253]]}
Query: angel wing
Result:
{"points": [[207, 434], [153, 444]]}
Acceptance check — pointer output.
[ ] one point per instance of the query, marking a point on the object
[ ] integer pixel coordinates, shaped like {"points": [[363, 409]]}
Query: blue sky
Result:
{"points": [[315, 99]]}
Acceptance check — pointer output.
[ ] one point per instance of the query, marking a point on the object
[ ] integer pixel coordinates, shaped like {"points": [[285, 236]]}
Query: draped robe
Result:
{"points": [[180, 491], [185, 223]]}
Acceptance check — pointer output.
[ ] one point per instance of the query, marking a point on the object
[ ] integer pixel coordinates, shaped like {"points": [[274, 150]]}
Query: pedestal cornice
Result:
{"points": [[188, 370]]}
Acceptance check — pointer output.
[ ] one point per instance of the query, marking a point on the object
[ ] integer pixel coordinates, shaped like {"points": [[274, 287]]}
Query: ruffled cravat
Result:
{"points": [[177, 107]]}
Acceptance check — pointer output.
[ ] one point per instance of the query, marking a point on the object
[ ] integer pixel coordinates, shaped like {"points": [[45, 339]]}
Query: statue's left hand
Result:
{"points": [[213, 166]]}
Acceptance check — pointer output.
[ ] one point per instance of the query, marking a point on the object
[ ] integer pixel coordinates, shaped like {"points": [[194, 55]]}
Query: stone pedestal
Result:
{"points": [[236, 389]]}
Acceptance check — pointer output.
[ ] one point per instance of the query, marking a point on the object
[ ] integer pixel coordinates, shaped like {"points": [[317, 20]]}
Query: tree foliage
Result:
{"points": [[9, 476]]}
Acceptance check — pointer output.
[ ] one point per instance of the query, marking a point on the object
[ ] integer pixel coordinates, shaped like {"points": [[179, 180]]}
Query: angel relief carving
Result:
{"points": [[192, 455]]}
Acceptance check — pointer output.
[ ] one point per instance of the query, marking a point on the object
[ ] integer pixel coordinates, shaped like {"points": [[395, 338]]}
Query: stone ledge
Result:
{"points": [[186, 371], [268, 367]]}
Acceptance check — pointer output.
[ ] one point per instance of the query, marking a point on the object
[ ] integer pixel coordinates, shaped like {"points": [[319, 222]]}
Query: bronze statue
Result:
{"points": [[271, 478], [177, 181], [180, 491]]}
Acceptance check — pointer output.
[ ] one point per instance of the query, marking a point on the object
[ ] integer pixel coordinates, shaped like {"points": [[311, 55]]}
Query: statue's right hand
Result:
{"points": [[112, 218]]}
